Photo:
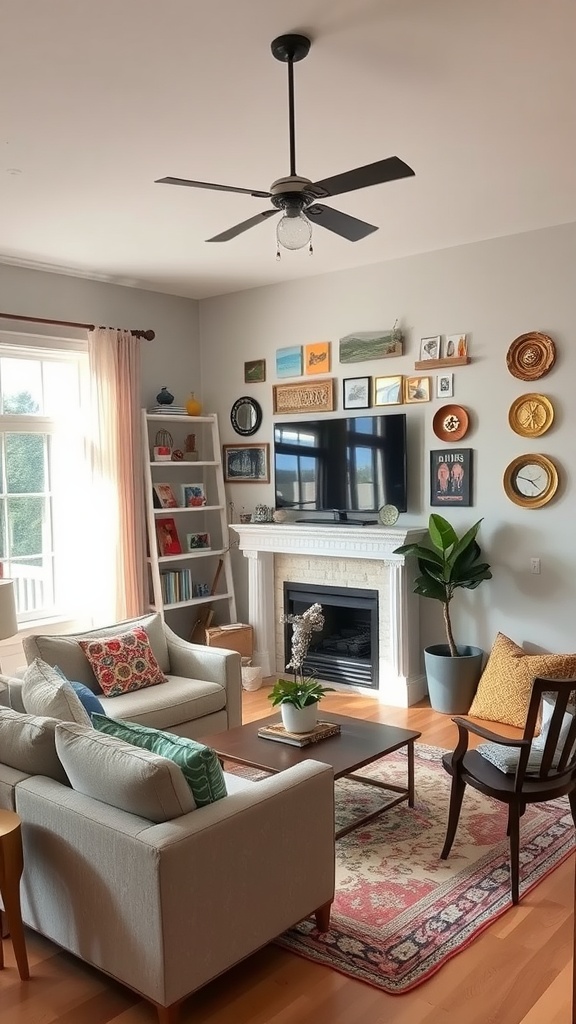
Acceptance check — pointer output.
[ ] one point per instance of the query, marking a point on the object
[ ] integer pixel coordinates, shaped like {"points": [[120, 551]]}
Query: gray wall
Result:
{"points": [[493, 291]]}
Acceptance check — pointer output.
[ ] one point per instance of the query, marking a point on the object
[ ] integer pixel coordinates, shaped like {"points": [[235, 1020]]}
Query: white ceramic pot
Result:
{"points": [[299, 719]]}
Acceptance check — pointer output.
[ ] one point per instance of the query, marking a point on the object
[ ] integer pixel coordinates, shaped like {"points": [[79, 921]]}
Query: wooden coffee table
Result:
{"points": [[358, 744]]}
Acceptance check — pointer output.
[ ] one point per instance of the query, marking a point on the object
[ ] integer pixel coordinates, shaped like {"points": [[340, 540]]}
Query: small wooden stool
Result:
{"points": [[11, 865]]}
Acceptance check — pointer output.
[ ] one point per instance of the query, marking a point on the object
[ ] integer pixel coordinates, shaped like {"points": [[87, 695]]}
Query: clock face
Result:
{"points": [[531, 481]]}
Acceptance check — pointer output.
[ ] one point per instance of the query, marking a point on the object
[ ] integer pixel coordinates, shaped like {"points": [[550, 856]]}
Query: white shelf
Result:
{"points": [[194, 601], [187, 508], [201, 553], [179, 463], [158, 417]]}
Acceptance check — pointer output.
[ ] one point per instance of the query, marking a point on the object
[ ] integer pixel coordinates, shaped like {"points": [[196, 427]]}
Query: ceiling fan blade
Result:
{"points": [[211, 185], [225, 236], [361, 177], [340, 223]]}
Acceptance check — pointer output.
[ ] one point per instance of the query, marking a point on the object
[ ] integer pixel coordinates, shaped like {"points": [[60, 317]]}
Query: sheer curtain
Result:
{"points": [[116, 515]]}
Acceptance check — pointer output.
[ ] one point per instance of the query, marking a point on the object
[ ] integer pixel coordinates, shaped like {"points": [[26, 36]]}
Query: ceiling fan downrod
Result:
{"points": [[289, 49]]}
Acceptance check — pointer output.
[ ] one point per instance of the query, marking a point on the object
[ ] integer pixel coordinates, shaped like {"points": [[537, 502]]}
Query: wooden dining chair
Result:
{"points": [[545, 766]]}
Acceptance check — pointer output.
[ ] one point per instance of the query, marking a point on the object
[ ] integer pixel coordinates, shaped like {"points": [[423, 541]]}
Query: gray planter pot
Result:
{"points": [[452, 682]]}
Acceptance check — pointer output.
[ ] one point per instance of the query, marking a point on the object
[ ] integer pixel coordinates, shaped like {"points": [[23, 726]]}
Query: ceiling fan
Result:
{"points": [[297, 197]]}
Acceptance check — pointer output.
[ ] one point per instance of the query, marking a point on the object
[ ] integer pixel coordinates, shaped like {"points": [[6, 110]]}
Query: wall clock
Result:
{"points": [[531, 480], [531, 415]]}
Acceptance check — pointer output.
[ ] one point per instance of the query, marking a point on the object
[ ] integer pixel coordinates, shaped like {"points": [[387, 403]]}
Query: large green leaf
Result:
{"points": [[466, 540], [442, 534], [419, 551]]}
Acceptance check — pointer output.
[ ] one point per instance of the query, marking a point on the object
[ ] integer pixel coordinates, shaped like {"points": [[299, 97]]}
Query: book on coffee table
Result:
{"points": [[322, 731]]}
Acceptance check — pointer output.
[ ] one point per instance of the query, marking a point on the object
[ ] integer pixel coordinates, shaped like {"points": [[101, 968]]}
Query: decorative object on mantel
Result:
{"points": [[193, 406], [321, 731], [299, 698], [450, 423], [164, 397], [531, 480], [531, 356], [263, 514], [306, 396], [388, 515], [279, 516], [531, 415], [363, 345]]}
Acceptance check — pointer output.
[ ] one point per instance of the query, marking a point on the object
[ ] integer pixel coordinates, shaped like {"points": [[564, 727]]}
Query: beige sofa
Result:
{"points": [[165, 908], [202, 695]]}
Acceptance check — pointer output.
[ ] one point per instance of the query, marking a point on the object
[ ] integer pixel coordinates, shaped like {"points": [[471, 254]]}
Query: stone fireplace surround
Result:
{"points": [[337, 555]]}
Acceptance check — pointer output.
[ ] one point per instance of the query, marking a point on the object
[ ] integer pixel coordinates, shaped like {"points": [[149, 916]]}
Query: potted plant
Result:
{"points": [[448, 563], [298, 698]]}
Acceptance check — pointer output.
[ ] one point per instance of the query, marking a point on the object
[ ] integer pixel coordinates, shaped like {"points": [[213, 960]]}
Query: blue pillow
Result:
{"points": [[84, 694]]}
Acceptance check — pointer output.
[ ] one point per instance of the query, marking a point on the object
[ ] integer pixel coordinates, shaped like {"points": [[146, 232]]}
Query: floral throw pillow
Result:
{"points": [[123, 663]]}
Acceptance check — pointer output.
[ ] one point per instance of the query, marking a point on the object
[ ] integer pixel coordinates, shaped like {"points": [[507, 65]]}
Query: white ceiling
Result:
{"points": [[100, 97]]}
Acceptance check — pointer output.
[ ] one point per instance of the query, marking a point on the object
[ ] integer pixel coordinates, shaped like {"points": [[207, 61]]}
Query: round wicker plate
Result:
{"points": [[450, 423], [531, 356], [531, 415]]}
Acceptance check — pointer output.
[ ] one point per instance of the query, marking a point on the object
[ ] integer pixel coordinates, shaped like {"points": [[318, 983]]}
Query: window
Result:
{"points": [[43, 479]]}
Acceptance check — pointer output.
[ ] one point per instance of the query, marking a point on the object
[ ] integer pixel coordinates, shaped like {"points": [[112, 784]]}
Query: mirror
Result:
{"points": [[246, 416]]}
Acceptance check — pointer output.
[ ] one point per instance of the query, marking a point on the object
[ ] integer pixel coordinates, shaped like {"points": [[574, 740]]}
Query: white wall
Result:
{"points": [[493, 291]]}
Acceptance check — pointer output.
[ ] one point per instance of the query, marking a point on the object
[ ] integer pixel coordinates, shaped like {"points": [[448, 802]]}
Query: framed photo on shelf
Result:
{"points": [[430, 347], [197, 541], [168, 539], [165, 496], [317, 357], [193, 495], [445, 385], [255, 371], [451, 477], [388, 390], [454, 345], [416, 389], [356, 392], [246, 463]]}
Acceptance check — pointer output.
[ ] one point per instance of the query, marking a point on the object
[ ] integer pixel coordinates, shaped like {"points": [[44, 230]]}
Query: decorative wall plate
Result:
{"points": [[531, 356], [531, 415], [450, 423], [531, 480], [388, 515]]}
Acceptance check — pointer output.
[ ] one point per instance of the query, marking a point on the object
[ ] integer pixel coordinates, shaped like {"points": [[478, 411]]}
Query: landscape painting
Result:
{"points": [[255, 371], [289, 361], [355, 348]]}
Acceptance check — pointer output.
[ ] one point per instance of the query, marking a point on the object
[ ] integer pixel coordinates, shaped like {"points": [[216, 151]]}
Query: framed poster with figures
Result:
{"points": [[451, 477]]}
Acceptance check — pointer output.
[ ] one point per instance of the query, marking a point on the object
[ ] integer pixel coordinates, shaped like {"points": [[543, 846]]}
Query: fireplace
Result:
{"points": [[346, 650], [347, 558]]}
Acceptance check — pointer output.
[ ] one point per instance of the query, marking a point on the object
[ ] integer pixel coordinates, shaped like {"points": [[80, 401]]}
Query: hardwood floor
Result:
{"points": [[518, 972]]}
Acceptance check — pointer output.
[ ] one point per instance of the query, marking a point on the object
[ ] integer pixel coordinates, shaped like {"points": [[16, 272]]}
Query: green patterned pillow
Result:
{"points": [[199, 764]]}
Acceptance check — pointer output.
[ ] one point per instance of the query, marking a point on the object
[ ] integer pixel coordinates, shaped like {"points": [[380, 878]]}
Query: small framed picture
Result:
{"points": [[168, 539], [451, 477], [164, 496], [445, 385], [197, 541], [255, 371], [430, 347], [388, 390], [416, 389], [356, 392], [317, 357], [193, 495], [289, 361], [454, 345], [247, 463]]}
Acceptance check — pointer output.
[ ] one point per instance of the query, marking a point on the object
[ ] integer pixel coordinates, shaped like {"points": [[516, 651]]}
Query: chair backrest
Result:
{"points": [[557, 740]]}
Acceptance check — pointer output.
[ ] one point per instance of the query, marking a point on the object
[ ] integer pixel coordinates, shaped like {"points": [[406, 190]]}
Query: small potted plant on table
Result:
{"points": [[452, 672], [298, 698]]}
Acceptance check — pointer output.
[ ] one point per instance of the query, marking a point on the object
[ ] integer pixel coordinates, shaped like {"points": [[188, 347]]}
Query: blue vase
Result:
{"points": [[164, 397]]}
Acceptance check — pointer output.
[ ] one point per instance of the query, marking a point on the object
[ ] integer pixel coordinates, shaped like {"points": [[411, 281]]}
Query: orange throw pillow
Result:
{"points": [[123, 663], [503, 693]]}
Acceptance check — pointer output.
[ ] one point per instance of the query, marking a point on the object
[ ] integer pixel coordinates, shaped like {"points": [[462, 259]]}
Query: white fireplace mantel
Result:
{"points": [[401, 682]]}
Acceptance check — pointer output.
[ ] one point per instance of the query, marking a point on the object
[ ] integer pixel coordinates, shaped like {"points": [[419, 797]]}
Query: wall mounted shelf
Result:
{"points": [[436, 364]]}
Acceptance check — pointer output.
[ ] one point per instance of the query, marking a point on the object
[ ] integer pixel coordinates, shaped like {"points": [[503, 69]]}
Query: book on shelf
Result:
{"points": [[165, 496], [168, 539], [193, 495], [322, 731]]}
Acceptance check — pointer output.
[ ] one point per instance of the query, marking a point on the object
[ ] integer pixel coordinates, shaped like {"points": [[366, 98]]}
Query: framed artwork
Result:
{"points": [[430, 347], [362, 345], [197, 541], [247, 463], [193, 495], [356, 392], [164, 496], [317, 357], [445, 385], [451, 477], [255, 371], [168, 539], [416, 389], [454, 345], [388, 390], [306, 396], [289, 361]]}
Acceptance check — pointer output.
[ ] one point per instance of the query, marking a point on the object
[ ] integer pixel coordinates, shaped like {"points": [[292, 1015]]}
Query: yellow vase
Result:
{"points": [[193, 406]]}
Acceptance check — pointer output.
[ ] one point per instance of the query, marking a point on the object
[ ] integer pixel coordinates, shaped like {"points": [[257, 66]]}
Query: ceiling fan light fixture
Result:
{"points": [[294, 230]]}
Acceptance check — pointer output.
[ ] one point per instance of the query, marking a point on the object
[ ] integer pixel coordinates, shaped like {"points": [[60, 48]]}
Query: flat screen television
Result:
{"points": [[347, 465]]}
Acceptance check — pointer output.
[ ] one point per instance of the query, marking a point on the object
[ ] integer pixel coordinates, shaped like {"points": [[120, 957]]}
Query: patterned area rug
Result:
{"points": [[400, 912]]}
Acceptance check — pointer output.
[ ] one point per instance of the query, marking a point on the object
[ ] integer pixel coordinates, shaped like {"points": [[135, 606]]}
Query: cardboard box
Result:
{"points": [[237, 637]]}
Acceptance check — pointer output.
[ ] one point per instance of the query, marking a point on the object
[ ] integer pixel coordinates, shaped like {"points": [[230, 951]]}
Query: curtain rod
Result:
{"points": [[147, 335]]}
